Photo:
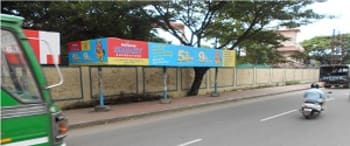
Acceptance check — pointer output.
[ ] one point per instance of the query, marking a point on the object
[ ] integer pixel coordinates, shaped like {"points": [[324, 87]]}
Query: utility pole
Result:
{"points": [[331, 60], [337, 48], [342, 47], [340, 52]]}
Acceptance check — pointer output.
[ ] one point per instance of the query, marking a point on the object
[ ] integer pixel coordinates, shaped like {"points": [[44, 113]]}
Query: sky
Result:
{"points": [[341, 24]]}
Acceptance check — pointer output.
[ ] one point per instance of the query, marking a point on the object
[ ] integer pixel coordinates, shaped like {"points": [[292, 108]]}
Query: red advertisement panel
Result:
{"points": [[74, 46], [121, 48], [50, 59]]}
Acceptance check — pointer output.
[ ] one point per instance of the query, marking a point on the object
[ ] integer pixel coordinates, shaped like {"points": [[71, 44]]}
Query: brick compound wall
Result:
{"points": [[81, 83]]}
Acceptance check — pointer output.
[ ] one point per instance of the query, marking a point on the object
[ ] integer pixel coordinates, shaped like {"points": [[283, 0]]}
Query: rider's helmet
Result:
{"points": [[315, 85]]}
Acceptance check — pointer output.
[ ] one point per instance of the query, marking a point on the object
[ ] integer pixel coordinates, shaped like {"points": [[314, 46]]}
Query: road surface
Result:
{"points": [[267, 121]]}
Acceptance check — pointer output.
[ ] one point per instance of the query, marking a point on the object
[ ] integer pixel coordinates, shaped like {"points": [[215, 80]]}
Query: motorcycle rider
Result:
{"points": [[315, 95]]}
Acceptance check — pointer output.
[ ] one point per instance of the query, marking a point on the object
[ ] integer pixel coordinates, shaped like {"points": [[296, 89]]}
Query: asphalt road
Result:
{"points": [[267, 121]]}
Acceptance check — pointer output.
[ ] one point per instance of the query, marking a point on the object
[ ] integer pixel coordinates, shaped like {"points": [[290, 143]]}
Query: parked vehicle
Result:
{"points": [[335, 75], [28, 114]]}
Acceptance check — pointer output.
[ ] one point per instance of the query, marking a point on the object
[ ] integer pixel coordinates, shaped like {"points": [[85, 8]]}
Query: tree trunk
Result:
{"points": [[198, 77]]}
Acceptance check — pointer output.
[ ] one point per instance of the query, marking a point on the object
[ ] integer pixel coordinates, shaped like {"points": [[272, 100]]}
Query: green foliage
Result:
{"points": [[242, 20], [246, 24], [292, 82], [319, 48], [80, 20], [262, 49], [261, 54], [194, 15], [234, 24]]}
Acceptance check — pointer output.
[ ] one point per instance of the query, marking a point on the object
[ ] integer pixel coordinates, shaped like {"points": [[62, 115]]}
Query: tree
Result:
{"points": [[235, 24], [80, 20], [320, 48], [261, 54], [230, 22], [262, 48], [194, 15]]}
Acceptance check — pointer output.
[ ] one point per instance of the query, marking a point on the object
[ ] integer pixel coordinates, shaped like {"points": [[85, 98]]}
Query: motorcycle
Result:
{"points": [[311, 109]]}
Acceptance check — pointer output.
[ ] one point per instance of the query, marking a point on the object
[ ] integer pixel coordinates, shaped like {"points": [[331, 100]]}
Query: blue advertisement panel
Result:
{"points": [[184, 56], [161, 54], [208, 57], [92, 52], [172, 55]]}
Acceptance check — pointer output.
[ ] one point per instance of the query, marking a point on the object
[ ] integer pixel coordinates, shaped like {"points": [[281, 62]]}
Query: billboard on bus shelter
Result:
{"points": [[116, 51]]}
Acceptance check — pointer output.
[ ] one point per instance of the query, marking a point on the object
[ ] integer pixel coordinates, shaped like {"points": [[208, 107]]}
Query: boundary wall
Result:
{"points": [[81, 83]]}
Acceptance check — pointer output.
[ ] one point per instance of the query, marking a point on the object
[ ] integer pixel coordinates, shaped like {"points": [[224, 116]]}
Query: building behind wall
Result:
{"points": [[290, 48]]}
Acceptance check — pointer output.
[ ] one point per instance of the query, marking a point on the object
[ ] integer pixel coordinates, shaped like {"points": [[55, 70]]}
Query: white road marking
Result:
{"points": [[288, 112], [278, 115], [190, 142]]}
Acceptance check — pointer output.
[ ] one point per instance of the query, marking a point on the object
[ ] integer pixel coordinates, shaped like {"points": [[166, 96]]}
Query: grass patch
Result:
{"points": [[292, 82]]}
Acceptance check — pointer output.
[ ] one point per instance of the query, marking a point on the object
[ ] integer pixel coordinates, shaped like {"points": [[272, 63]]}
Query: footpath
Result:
{"points": [[79, 118]]}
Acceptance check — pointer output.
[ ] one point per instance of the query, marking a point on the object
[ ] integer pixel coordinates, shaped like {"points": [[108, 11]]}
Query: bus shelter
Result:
{"points": [[112, 51]]}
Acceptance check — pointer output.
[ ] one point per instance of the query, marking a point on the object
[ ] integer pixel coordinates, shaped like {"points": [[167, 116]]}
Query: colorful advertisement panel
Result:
{"points": [[88, 52], [127, 52], [115, 51], [41, 45]]}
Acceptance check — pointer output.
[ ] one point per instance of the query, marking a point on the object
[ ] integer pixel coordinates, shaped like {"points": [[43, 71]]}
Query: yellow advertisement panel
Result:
{"points": [[127, 61], [229, 58], [85, 45]]}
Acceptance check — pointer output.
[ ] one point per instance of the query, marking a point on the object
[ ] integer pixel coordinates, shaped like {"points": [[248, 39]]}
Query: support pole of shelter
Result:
{"points": [[165, 99], [215, 93], [101, 106]]}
